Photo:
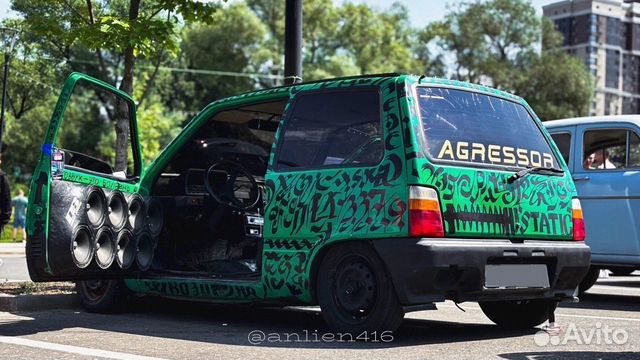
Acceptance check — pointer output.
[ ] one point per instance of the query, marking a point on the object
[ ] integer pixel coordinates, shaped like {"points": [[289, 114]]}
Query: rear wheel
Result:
{"points": [[589, 280], [103, 296], [621, 271], [519, 314], [355, 293]]}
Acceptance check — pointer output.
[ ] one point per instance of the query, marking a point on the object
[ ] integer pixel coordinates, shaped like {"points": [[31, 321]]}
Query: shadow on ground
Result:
{"points": [[562, 355], [232, 325]]}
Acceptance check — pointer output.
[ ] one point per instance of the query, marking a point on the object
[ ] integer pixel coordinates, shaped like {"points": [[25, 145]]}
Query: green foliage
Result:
{"points": [[228, 44], [556, 86], [156, 127], [497, 42], [503, 43]]}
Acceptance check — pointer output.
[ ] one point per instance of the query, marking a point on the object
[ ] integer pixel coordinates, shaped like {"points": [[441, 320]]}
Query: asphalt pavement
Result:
{"points": [[605, 324]]}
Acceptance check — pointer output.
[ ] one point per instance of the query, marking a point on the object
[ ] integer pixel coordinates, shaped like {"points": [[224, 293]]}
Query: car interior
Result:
{"points": [[212, 193]]}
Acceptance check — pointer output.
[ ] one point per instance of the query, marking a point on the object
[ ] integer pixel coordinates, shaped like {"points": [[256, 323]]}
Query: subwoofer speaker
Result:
{"points": [[155, 217], [144, 255], [96, 207], [125, 249], [117, 210], [105, 247], [137, 213], [82, 246]]}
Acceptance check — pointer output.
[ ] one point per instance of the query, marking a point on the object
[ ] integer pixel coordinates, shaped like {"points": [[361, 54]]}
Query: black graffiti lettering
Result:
{"points": [[553, 219], [544, 223]]}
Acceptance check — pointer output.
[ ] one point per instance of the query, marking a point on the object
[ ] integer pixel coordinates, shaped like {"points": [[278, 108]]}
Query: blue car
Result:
{"points": [[603, 154]]}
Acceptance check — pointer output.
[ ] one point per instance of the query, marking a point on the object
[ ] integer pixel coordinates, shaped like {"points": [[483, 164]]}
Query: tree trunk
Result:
{"points": [[122, 120]]}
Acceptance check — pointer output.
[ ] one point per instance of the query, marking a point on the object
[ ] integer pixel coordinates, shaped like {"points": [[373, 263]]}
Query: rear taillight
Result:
{"points": [[579, 232], [425, 218]]}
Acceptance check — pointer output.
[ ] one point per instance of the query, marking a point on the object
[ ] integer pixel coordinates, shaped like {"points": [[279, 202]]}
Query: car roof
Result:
{"points": [[635, 119], [424, 80]]}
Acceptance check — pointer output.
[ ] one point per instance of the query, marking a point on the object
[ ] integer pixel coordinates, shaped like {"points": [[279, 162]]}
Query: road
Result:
{"points": [[13, 267], [165, 329]]}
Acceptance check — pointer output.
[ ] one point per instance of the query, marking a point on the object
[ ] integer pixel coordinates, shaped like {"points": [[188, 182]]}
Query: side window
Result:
{"points": [[328, 129], [563, 141], [634, 149], [605, 149], [88, 132]]}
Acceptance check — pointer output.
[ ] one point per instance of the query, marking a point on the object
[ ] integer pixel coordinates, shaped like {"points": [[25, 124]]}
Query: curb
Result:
{"points": [[11, 303]]}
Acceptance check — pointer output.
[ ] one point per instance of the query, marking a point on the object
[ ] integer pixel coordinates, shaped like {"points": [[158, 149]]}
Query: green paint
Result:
{"points": [[307, 211]]}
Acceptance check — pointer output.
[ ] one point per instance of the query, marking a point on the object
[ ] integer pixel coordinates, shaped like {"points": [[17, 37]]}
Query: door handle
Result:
{"points": [[581, 178]]}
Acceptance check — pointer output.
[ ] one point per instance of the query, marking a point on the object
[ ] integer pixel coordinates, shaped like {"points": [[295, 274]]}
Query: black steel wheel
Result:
{"points": [[103, 296], [355, 292], [589, 280], [518, 314]]}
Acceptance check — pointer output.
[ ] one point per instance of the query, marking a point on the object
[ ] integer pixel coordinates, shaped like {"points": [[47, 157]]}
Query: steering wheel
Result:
{"points": [[224, 180]]}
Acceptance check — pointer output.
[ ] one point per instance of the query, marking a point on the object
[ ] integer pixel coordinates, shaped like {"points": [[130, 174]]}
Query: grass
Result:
{"points": [[7, 233], [28, 288]]}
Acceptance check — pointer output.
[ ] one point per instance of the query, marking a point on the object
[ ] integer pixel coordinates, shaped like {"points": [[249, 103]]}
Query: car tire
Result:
{"points": [[355, 292], [621, 271], [103, 296], [589, 280], [518, 314]]}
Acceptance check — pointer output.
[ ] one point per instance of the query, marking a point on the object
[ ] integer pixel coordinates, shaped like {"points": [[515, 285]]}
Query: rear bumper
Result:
{"points": [[428, 270]]}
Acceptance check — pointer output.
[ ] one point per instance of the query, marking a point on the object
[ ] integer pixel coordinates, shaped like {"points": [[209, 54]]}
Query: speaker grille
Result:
{"points": [[144, 254], [96, 207], [117, 210], [125, 249], [82, 246], [105, 247]]}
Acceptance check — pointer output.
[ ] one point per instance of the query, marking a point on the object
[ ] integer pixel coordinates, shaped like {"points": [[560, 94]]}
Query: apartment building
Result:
{"points": [[605, 34]]}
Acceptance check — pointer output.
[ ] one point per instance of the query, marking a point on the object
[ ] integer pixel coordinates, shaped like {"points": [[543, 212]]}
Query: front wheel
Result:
{"points": [[589, 280], [621, 271], [518, 314], [355, 292], [103, 296]]}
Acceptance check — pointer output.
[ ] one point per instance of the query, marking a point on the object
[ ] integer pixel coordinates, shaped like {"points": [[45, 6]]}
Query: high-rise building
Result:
{"points": [[605, 34]]}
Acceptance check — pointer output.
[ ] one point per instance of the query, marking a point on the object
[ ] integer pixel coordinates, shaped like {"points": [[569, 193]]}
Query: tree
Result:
{"points": [[556, 84], [228, 43], [348, 40], [502, 43], [115, 33]]}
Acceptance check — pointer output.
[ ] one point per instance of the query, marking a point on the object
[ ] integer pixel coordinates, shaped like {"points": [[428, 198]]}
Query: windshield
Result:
{"points": [[464, 126]]}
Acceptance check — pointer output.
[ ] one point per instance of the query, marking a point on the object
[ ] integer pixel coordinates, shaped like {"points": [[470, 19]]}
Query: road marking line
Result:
{"points": [[73, 349], [599, 317], [557, 314]]}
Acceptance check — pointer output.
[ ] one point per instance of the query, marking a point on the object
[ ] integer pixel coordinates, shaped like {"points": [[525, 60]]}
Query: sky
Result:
{"points": [[422, 12]]}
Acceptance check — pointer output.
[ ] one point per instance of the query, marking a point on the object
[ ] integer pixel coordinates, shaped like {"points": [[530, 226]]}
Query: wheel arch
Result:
{"points": [[320, 254]]}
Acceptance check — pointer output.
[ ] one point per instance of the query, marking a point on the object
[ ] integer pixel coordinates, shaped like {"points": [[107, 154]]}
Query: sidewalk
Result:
{"points": [[12, 248]]}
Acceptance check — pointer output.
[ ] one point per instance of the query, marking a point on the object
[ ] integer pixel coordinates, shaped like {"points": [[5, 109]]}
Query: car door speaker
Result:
{"points": [[155, 217], [117, 210], [82, 246], [125, 249], [137, 213], [96, 207], [105, 247], [145, 249]]}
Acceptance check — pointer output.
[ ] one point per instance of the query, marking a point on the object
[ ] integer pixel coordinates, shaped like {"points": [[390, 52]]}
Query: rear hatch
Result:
{"points": [[472, 146]]}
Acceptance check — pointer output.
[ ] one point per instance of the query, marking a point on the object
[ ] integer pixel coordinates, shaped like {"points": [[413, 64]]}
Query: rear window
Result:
{"points": [[464, 126]]}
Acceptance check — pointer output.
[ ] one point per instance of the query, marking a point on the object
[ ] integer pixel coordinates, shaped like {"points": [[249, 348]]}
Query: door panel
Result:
{"points": [[336, 174], [83, 186], [610, 196]]}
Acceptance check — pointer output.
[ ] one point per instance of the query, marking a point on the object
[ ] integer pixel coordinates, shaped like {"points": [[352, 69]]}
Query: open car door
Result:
{"points": [[85, 220]]}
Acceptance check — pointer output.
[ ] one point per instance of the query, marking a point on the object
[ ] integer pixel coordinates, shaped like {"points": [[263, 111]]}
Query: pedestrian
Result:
{"points": [[5, 199], [19, 204]]}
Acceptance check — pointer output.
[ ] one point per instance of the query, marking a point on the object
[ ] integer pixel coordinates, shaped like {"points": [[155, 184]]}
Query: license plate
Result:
{"points": [[516, 276]]}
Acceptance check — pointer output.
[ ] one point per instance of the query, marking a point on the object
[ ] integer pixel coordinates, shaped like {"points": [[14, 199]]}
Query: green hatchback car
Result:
{"points": [[370, 196]]}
